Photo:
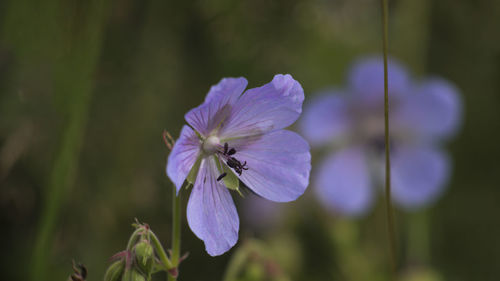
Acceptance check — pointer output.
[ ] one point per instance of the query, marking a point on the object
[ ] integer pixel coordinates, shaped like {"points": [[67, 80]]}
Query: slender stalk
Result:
{"points": [[390, 216], [133, 238], [176, 230], [161, 252]]}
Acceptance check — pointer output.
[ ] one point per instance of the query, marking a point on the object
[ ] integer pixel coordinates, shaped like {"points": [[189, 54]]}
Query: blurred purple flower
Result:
{"points": [[235, 136], [422, 114], [261, 215]]}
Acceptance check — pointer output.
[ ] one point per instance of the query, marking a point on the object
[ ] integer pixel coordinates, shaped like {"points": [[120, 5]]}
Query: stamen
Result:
{"points": [[232, 162], [221, 176]]}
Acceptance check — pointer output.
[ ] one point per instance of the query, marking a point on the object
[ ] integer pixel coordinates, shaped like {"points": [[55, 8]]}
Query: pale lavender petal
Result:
{"points": [[273, 106], [183, 156], [217, 105], [419, 175], [211, 213], [366, 80], [278, 164], [433, 111], [343, 182], [325, 118]]}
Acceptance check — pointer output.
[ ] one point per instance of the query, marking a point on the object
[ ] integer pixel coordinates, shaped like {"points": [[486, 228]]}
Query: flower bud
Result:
{"points": [[144, 256], [133, 275], [114, 271]]}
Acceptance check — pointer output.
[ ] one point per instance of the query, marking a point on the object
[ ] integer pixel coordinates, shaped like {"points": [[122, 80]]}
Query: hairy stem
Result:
{"points": [[161, 252], [390, 216], [133, 238], [176, 231]]}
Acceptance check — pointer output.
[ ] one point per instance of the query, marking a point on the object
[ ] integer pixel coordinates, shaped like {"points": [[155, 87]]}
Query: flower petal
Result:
{"points": [[433, 111], [211, 213], [419, 175], [325, 118], [343, 182], [278, 164], [273, 106], [217, 105], [183, 156], [366, 80]]}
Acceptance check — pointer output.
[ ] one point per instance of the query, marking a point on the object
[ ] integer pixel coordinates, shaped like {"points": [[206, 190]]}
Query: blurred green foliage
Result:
{"points": [[86, 88]]}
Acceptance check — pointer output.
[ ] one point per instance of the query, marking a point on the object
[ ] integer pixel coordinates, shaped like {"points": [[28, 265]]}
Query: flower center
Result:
{"points": [[211, 145]]}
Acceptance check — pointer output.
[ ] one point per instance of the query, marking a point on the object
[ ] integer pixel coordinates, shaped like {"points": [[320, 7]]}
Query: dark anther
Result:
{"points": [[227, 150], [232, 162], [221, 176], [236, 165], [231, 151]]}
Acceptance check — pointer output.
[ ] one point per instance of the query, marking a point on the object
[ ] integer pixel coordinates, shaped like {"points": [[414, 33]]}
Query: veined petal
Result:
{"points": [[325, 118], [432, 111], [419, 175], [278, 164], [183, 156], [211, 213], [217, 105], [366, 80], [343, 182], [273, 106]]}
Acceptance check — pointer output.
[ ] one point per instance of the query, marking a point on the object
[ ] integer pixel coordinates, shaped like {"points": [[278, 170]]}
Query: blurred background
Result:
{"points": [[87, 87]]}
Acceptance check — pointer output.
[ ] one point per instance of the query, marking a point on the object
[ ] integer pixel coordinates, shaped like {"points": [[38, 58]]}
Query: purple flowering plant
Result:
{"points": [[237, 135], [351, 120]]}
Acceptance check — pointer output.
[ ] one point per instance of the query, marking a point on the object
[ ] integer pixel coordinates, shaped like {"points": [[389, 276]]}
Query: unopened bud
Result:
{"points": [[144, 256], [115, 271], [133, 275]]}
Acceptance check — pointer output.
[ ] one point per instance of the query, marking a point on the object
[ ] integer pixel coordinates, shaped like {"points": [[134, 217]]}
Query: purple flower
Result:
{"points": [[262, 215], [234, 136], [351, 121]]}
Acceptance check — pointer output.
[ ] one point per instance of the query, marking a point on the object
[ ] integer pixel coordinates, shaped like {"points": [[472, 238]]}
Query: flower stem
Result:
{"points": [[133, 238], [161, 252], [176, 231], [390, 216]]}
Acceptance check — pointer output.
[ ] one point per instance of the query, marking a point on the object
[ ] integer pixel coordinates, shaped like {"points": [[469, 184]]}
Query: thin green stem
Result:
{"points": [[161, 252], [390, 216], [133, 238], [176, 231]]}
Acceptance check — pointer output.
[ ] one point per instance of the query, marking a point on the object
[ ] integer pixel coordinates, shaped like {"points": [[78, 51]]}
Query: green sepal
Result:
{"points": [[191, 177], [145, 256], [133, 275], [231, 181], [114, 271]]}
